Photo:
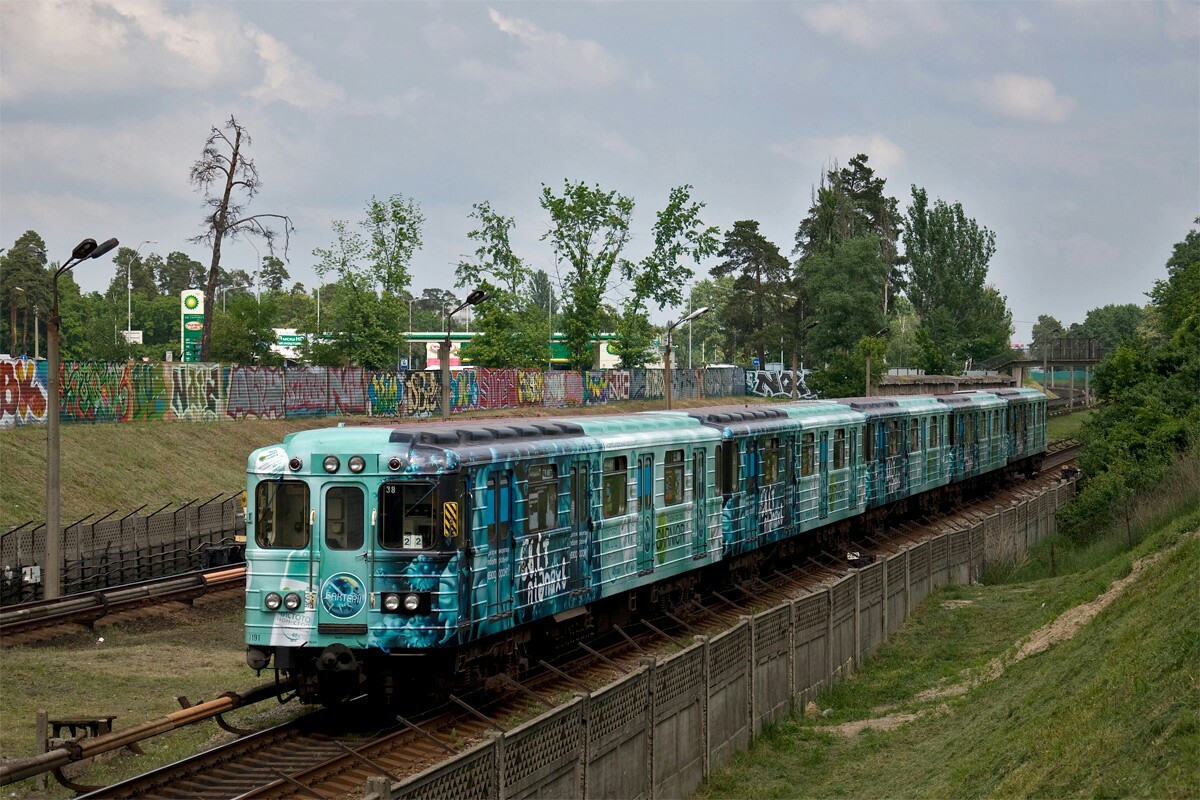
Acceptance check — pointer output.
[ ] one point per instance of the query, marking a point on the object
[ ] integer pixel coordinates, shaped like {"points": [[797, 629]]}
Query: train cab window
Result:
{"points": [[281, 514], [869, 443], [808, 455], [344, 518], [673, 478], [615, 486], [406, 516], [839, 449], [541, 499], [770, 461], [914, 435]]}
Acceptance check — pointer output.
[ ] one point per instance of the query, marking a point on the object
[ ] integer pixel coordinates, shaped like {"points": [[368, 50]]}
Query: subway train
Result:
{"points": [[415, 559]]}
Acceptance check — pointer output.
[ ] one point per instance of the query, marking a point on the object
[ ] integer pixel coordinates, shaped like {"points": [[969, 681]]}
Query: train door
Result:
{"points": [[750, 527], [581, 527], [500, 550], [699, 502], [823, 472], [645, 492], [340, 571]]}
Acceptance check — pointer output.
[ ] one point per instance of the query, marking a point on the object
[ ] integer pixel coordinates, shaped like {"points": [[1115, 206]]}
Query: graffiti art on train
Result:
{"points": [[541, 572], [22, 392]]}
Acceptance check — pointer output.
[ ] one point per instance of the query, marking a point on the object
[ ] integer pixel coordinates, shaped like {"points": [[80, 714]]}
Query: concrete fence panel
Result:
{"points": [[773, 654], [679, 695], [812, 659], [473, 775], [897, 590], [939, 567], [618, 739], [919, 562], [843, 624], [871, 608], [728, 694], [544, 758]]}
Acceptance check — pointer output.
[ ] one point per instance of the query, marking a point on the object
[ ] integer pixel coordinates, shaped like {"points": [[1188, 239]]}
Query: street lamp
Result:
{"points": [[53, 580], [667, 355], [876, 335], [473, 299], [798, 377], [129, 288]]}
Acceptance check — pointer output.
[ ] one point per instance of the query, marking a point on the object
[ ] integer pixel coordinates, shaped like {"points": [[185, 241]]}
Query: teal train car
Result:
{"points": [[417, 558]]}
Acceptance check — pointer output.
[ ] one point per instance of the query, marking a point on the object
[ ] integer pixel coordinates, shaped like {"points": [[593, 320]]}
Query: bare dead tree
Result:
{"points": [[224, 165]]}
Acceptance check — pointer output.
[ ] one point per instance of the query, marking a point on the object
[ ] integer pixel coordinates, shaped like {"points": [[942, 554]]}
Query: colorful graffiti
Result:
{"points": [[764, 383], [175, 392], [22, 392]]}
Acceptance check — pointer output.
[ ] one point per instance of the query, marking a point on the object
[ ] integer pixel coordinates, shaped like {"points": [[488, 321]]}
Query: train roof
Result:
{"points": [[971, 398], [920, 404], [731, 420], [1019, 393]]}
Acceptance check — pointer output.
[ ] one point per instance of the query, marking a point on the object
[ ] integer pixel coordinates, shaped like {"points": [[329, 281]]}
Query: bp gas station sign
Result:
{"points": [[191, 323]]}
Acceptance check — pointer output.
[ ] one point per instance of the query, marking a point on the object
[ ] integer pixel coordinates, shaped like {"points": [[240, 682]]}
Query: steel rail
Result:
{"points": [[89, 607]]}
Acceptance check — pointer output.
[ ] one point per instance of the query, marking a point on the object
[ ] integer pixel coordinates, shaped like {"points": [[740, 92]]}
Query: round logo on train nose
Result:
{"points": [[342, 595]]}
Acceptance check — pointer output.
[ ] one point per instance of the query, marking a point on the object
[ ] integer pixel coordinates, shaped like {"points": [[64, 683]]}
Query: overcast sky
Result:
{"points": [[1072, 130]]}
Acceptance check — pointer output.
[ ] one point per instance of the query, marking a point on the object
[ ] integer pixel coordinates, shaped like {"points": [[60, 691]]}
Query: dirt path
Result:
{"points": [[1060, 629]]}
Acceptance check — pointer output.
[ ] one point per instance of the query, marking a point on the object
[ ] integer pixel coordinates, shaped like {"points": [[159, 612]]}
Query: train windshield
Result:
{"points": [[406, 516], [281, 514]]}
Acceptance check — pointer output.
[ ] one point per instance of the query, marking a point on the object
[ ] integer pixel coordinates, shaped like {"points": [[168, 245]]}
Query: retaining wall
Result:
{"points": [[173, 391], [661, 730]]}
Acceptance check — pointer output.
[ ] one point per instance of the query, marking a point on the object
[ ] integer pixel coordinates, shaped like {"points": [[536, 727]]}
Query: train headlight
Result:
{"points": [[357, 464], [292, 601], [331, 464], [411, 602], [391, 602], [273, 601]]}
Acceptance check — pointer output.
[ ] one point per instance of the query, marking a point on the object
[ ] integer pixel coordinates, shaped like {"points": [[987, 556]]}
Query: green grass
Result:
{"points": [[134, 673], [1066, 425], [1112, 712]]}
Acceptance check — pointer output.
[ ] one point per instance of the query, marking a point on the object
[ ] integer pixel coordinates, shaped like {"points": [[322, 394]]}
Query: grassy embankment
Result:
{"points": [[107, 466], [962, 702]]}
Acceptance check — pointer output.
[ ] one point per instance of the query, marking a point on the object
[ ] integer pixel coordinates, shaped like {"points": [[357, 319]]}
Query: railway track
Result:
{"points": [[19, 621], [328, 754]]}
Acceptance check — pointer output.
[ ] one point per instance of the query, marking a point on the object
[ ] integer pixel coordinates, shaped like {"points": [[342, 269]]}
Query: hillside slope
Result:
{"points": [[1080, 685]]}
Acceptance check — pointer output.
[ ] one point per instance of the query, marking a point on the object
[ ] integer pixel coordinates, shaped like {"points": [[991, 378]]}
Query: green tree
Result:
{"points": [[948, 254], [842, 287], [180, 271], [393, 228], [1045, 330], [224, 165], [844, 375], [139, 274], [494, 260], [715, 334], [1178, 296], [273, 274], [762, 275], [589, 229], [24, 289], [243, 333], [507, 334]]}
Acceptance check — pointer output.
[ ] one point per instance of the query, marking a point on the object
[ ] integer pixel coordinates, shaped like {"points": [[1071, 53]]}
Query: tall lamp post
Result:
{"points": [[473, 299], [876, 335], [52, 583], [667, 355], [797, 377], [129, 289]]}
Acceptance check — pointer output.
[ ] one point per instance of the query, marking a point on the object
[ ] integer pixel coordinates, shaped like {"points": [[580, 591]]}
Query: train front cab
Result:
{"points": [[350, 559]]}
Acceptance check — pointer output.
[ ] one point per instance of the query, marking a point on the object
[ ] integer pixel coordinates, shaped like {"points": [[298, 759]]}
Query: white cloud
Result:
{"points": [[1023, 25], [444, 37], [61, 47], [872, 25], [1025, 97], [548, 61], [817, 153]]}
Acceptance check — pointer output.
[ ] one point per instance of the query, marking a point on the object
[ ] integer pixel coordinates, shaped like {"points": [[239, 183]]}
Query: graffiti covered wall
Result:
{"points": [[177, 392], [765, 383]]}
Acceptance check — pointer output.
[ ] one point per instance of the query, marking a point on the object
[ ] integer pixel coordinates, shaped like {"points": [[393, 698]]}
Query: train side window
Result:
{"points": [[731, 468], [869, 443], [541, 499], [839, 449], [808, 455], [281, 514], [719, 467], [344, 518], [616, 486], [952, 431], [914, 435], [673, 478], [894, 434], [406, 516], [934, 426], [770, 461]]}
